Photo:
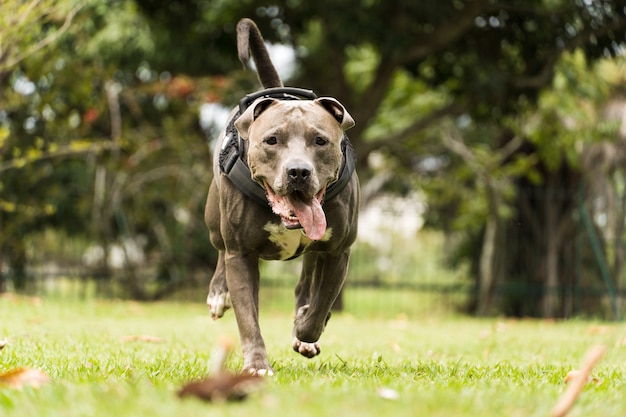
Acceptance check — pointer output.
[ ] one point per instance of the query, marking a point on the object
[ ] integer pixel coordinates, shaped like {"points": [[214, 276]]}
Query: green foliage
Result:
{"points": [[569, 115], [101, 154], [28, 27], [199, 35], [102, 139]]}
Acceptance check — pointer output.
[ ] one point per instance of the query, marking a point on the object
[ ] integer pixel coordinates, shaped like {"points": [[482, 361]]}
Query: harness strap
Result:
{"points": [[241, 177]]}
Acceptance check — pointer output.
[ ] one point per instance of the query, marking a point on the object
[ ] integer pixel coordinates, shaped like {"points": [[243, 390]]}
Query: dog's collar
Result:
{"points": [[232, 161]]}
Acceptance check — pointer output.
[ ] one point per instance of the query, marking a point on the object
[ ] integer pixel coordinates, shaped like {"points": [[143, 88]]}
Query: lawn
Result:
{"points": [[439, 365]]}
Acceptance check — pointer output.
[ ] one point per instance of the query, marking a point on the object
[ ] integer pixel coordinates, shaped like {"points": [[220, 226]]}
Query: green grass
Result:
{"points": [[440, 364]]}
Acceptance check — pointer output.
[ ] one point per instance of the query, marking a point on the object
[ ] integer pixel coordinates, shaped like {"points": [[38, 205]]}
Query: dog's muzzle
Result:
{"points": [[298, 209]]}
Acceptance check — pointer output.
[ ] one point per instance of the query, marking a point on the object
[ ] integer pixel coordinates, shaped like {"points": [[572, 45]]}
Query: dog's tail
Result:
{"points": [[249, 39]]}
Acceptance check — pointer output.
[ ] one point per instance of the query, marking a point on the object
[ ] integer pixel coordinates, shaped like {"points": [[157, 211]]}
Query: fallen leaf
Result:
{"points": [[597, 329], [222, 387], [36, 301], [143, 338], [571, 375], [20, 377], [19, 299]]}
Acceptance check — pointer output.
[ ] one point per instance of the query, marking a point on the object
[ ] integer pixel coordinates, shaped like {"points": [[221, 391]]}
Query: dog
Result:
{"points": [[284, 186]]}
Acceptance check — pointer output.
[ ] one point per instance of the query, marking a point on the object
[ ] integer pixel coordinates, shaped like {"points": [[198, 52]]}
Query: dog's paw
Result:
{"points": [[306, 349], [218, 303], [259, 372]]}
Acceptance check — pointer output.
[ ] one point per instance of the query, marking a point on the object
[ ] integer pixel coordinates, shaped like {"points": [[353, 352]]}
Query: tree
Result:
{"points": [[403, 69], [109, 155], [26, 29], [489, 61], [482, 61], [554, 209]]}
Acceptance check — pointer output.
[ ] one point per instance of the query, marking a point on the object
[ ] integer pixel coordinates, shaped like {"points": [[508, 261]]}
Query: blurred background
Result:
{"points": [[491, 142]]}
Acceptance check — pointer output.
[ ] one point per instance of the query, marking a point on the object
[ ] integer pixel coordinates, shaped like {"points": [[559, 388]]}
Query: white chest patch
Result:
{"points": [[290, 240]]}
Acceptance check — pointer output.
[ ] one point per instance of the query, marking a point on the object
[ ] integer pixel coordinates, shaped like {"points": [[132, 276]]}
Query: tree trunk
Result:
{"points": [[3, 283], [618, 265], [551, 283], [17, 263], [487, 264]]}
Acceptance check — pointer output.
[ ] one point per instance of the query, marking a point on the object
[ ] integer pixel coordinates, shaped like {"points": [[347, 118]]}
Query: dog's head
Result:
{"points": [[294, 152]]}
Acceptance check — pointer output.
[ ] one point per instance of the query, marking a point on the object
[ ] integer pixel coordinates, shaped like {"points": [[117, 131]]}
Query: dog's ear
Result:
{"points": [[244, 121], [337, 110]]}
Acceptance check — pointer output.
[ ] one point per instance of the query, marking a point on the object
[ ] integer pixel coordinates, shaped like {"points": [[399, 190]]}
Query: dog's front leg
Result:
{"points": [[322, 279], [218, 299], [242, 277]]}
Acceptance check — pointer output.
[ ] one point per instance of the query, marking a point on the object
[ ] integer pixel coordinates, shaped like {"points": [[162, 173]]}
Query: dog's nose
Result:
{"points": [[299, 172]]}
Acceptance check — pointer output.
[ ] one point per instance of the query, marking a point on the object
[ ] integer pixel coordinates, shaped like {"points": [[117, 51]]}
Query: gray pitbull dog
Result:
{"points": [[292, 191]]}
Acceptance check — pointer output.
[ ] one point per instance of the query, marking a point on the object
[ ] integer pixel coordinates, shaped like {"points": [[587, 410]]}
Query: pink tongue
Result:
{"points": [[311, 217]]}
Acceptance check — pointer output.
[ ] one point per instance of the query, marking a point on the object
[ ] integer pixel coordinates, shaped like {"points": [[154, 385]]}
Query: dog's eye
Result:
{"points": [[320, 141], [271, 140]]}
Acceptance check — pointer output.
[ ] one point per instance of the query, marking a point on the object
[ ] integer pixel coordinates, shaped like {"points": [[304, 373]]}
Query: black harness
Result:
{"points": [[232, 155]]}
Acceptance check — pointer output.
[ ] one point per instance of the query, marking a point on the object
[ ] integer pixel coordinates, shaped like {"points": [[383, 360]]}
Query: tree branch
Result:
{"points": [[112, 93], [389, 62], [65, 151], [452, 109], [454, 141], [369, 101], [510, 148], [547, 72], [44, 42], [445, 34]]}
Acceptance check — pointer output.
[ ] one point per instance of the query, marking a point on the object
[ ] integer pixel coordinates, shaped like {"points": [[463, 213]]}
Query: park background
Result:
{"points": [[491, 143]]}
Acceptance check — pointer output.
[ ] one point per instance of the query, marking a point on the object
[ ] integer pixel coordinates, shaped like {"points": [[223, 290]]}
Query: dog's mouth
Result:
{"points": [[297, 210]]}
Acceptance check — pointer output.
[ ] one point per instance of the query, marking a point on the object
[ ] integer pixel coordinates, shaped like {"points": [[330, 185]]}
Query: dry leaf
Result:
{"points": [[222, 387], [20, 377], [574, 374], [15, 299], [144, 338], [597, 329]]}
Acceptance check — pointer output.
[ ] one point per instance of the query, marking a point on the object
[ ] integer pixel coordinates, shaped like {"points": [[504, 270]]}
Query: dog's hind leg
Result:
{"points": [[218, 299], [303, 294]]}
